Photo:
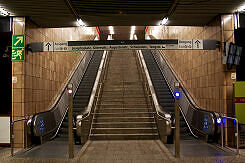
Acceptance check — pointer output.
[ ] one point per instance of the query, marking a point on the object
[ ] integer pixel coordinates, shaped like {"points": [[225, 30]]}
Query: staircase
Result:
{"points": [[123, 112]]}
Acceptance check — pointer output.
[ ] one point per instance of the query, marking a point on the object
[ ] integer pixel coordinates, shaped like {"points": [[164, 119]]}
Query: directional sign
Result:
{"points": [[48, 46], [185, 44], [172, 44], [60, 46], [197, 44], [18, 47]]}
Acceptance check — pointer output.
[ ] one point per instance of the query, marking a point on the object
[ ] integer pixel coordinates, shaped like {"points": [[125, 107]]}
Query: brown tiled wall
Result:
{"points": [[42, 75], [201, 71]]}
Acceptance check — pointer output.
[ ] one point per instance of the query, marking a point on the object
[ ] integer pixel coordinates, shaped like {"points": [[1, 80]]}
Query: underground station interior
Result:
{"points": [[122, 81]]}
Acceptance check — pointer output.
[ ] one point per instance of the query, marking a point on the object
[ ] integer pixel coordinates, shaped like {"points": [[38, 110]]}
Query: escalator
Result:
{"points": [[163, 92], [82, 95], [192, 118], [51, 126]]}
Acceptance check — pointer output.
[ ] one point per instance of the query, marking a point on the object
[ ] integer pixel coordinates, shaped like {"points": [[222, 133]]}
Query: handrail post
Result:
{"points": [[70, 119], [236, 133], [12, 138], [12, 134], [177, 122], [222, 134]]}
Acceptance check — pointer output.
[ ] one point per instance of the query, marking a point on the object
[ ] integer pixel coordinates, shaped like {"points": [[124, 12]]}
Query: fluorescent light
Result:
{"points": [[3, 12], [148, 37], [241, 8], [131, 36], [80, 22], [164, 21], [132, 29], [109, 37], [135, 37], [96, 38], [132, 32], [111, 29]]}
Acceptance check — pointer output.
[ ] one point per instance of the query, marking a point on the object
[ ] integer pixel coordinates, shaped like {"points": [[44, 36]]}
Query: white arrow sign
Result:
{"points": [[197, 44], [48, 46]]}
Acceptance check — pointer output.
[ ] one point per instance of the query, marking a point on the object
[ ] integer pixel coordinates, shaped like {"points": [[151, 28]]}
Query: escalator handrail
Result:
{"points": [[189, 98], [88, 110], [159, 111], [61, 94]]}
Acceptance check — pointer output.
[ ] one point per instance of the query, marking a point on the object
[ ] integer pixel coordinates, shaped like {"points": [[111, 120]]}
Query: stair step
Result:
{"points": [[124, 136], [123, 130], [122, 106], [128, 114], [123, 119], [124, 125], [121, 110], [123, 102]]}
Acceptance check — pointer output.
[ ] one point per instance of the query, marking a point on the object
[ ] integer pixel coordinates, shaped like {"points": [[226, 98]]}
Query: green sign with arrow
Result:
{"points": [[18, 47]]}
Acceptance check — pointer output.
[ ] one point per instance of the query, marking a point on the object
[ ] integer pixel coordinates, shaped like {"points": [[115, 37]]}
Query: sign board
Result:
{"points": [[185, 44], [197, 44], [18, 47], [239, 90], [171, 44], [48, 46], [233, 76], [14, 79], [60, 46]]}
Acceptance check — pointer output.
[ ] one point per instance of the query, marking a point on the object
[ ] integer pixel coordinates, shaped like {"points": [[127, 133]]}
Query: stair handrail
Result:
{"points": [[88, 111], [159, 111], [223, 117]]}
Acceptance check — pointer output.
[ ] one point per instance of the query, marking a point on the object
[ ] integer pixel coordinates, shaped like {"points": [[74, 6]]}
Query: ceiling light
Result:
{"points": [[132, 29], [3, 12], [241, 8], [135, 37], [80, 22], [109, 37], [132, 32], [164, 21], [131, 36], [111, 29]]}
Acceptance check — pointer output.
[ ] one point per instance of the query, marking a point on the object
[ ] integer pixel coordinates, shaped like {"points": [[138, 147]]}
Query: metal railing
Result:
{"points": [[12, 133], [80, 119], [153, 97], [236, 133]]}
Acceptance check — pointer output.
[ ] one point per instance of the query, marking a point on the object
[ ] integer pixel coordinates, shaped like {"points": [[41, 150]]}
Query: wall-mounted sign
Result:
{"points": [[171, 44], [18, 47]]}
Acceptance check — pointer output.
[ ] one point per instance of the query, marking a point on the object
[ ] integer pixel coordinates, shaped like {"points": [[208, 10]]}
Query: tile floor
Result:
{"points": [[133, 151]]}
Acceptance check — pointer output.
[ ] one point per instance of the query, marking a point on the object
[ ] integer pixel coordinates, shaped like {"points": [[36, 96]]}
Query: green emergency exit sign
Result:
{"points": [[18, 47]]}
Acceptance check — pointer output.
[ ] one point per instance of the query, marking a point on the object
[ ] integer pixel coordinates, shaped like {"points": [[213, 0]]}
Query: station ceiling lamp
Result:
{"points": [[164, 21], [241, 8], [132, 32], [80, 22], [111, 29], [4, 12]]}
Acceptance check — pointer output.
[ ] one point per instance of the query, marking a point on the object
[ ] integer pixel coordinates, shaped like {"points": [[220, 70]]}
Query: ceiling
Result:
{"points": [[63, 13], [122, 32]]}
